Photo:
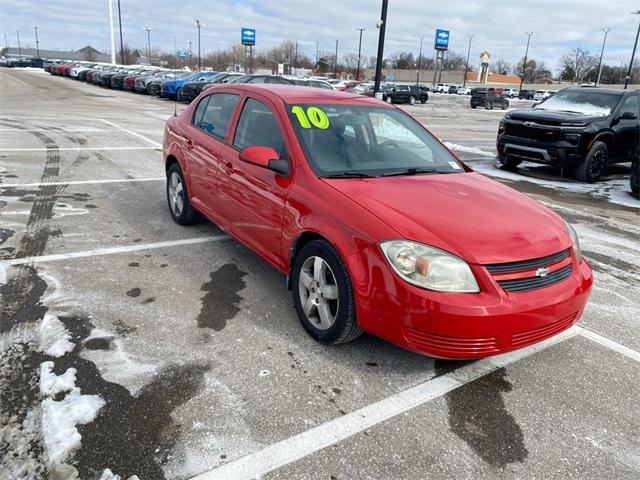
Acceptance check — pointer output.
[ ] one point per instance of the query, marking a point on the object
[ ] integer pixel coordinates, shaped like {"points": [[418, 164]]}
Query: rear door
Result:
{"points": [[627, 130], [254, 197], [204, 147]]}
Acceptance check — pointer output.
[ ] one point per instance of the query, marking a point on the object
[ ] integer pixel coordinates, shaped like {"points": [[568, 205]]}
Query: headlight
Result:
{"points": [[429, 267], [574, 240]]}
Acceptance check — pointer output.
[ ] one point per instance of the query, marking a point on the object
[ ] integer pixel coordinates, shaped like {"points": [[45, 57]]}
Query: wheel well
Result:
{"points": [[605, 138], [170, 161], [297, 245]]}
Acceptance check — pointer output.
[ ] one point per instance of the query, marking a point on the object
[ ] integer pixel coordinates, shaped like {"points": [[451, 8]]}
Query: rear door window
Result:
{"points": [[217, 114]]}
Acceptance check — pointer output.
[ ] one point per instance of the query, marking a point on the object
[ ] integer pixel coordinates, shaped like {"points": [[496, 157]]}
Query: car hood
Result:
{"points": [[468, 214], [548, 117]]}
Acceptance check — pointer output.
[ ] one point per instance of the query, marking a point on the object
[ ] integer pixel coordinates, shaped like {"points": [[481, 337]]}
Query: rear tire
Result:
{"points": [[412, 100], [505, 105], [488, 106], [594, 164], [634, 181], [323, 294], [508, 163], [388, 100], [178, 198]]}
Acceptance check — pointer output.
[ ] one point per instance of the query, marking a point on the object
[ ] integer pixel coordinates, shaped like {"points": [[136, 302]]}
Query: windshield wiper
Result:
{"points": [[349, 174], [410, 171]]}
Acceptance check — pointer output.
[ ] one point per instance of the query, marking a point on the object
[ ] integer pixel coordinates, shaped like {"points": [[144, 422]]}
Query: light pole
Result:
{"points": [[19, 49], [121, 41], [199, 25], [466, 65], [335, 63], [382, 25], [35, 28], [419, 62], [633, 54], [148, 29], [112, 40], [606, 31], [359, 52], [526, 53]]}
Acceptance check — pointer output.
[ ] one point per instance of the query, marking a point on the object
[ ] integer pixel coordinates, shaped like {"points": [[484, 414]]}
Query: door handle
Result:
{"points": [[188, 143]]}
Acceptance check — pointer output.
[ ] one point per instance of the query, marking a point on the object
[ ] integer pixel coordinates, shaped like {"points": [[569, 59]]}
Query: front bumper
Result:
{"points": [[464, 326], [561, 153]]}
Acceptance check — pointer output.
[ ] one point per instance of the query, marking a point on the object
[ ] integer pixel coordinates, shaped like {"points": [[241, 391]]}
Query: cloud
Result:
{"points": [[498, 26]]}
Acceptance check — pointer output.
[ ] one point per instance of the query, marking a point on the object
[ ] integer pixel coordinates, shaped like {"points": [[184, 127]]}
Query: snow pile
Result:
{"points": [[52, 384], [473, 150], [53, 338]]}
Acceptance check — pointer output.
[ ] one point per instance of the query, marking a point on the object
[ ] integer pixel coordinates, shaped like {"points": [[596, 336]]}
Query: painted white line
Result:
{"points": [[74, 149], [132, 133], [17, 80], [82, 182], [57, 130], [610, 344], [299, 446], [108, 251]]}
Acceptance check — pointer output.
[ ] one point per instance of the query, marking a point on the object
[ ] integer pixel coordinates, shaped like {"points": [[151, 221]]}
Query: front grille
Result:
{"points": [[432, 342], [520, 266], [521, 339], [533, 283], [532, 133]]}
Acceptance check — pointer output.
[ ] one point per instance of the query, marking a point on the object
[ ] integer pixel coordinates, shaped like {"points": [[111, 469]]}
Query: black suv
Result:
{"points": [[526, 94], [481, 97], [405, 94], [580, 128]]}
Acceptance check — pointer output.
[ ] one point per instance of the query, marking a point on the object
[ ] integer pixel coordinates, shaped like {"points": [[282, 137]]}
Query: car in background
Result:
{"points": [[374, 222], [169, 88], [384, 88], [441, 88], [463, 91], [343, 85], [129, 82], [526, 94], [634, 181], [541, 95], [273, 79], [405, 94], [488, 98], [304, 82], [117, 81], [191, 89], [582, 129], [511, 92], [453, 89], [151, 84], [361, 88]]}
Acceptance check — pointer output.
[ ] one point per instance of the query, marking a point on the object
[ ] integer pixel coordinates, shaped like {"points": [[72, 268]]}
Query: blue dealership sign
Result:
{"points": [[442, 39], [181, 53], [248, 36]]}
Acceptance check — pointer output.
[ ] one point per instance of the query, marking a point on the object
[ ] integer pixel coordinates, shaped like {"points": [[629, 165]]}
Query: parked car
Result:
{"points": [[343, 85], [151, 85], [488, 99], [541, 95], [453, 89], [441, 88], [191, 90], [273, 79], [579, 128], [526, 94], [170, 88], [405, 94], [303, 82], [463, 91], [330, 189], [384, 88], [511, 92]]}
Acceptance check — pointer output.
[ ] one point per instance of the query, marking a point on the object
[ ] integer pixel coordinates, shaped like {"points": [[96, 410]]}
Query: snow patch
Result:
{"points": [[53, 338], [52, 384], [474, 150]]}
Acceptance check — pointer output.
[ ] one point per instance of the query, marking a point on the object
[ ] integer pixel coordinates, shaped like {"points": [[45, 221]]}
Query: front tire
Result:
{"points": [[388, 100], [488, 106], [594, 164], [412, 100], [178, 199], [323, 294], [508, 163], [634, 181]]}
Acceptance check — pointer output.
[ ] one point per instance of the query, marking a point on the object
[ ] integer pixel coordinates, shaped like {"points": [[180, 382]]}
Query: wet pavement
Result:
{"points": [[194, 345]]}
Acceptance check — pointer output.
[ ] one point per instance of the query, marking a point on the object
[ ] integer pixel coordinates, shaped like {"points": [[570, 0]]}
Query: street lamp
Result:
{"points": [[526, 53], [606, 31], [359, 52], [121, 41], [466, 65], [382, 26], [19, 49], [148, 29], [35, 28], [419, 62], [199, 25], [633, 54]]}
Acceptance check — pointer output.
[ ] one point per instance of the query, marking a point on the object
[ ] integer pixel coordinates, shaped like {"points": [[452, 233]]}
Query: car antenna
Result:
{"points": [[175, 98]]}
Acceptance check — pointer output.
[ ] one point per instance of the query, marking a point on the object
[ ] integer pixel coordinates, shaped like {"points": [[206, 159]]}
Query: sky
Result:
{"points": [[497, 26]]}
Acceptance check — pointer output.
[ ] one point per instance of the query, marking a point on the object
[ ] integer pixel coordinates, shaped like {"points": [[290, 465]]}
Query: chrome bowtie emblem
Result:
{"points": [[542, 272]]}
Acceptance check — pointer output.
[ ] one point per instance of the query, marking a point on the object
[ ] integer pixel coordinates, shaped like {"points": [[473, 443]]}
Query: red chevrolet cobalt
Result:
{"points": [[378, 227]]}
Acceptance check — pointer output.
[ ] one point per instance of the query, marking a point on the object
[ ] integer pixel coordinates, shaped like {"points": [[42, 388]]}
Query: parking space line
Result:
{"points": [[57, 130], [299, 446], [610, 344], [108, 251], [82, 182], [75, 149], [131, 132]]}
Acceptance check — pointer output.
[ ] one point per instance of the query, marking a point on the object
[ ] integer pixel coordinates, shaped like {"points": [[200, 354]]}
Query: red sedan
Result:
{"points": [[378, 227]]}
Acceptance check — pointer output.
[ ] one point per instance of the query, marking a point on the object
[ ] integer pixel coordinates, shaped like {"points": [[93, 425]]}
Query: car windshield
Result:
{"points": [[351, 141], [586, 101]]}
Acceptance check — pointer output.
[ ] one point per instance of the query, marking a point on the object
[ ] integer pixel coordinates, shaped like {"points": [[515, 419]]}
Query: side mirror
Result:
{"points": [[629, 116], [265, 157]]}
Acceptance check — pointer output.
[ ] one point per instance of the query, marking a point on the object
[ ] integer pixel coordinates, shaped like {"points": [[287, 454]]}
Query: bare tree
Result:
{"points": [[535, 70], [453, 61], [501, 67], [576, 64]]}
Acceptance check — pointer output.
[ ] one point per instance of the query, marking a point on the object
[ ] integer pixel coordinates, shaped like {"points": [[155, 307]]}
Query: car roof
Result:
{"points": [[615, 91], [300, 94]]}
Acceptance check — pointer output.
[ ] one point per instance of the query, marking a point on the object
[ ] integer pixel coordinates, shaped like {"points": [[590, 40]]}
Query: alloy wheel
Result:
{"points": [[318, 293], [176, 194], [597, 164]]}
